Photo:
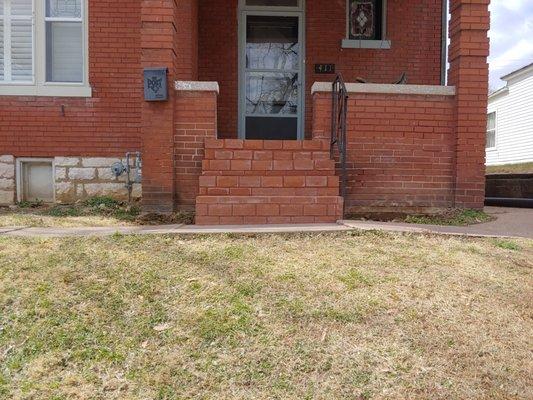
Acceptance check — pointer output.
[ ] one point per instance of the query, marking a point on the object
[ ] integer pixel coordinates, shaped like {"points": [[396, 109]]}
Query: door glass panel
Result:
{"points": [[265, 128], [272, 72], [271, 93], [273, 3], [272, 43]]}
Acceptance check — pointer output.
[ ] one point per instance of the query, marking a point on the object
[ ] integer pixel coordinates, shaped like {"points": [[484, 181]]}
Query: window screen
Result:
{"points": [[64, 41]]}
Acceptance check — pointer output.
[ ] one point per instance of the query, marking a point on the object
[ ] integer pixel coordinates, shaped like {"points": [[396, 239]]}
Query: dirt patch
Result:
{"points": [[97, 211]]}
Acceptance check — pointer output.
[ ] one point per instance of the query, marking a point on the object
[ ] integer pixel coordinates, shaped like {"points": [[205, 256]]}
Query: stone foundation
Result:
{"points": [[76, 178], [79, 178], [7, 179]]}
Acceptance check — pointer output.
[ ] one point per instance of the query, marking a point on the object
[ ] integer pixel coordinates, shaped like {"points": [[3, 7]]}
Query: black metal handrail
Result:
{"points": [[339, 110]]}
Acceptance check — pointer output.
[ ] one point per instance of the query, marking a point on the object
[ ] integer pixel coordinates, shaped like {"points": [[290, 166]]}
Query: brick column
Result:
{"points": [[468, 72], [321, 128], [195, 121], [168, 39]]}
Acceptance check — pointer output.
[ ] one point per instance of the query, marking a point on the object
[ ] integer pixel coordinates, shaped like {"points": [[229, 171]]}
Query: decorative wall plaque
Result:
{"points": [[364, 19], [155, 84]]}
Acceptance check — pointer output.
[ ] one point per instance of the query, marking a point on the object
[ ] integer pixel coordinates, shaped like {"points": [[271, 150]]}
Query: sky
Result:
{"points": [[511, 38]]}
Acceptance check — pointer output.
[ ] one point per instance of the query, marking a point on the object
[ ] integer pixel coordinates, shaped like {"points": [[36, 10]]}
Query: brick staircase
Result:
{"points": [[267, 182]]}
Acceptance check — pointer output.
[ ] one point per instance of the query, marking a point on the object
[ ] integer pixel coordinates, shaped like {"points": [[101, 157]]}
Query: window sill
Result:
{"points": [[490, 149], [47, 90], [366, 44]]}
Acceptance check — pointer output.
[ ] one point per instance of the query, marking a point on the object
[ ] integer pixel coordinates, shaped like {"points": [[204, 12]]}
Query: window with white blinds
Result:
{"points": [[44, 48], [16, 41]]}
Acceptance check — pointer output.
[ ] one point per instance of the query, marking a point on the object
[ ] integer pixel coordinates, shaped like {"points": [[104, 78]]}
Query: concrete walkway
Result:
{"points": [[510, 222]]}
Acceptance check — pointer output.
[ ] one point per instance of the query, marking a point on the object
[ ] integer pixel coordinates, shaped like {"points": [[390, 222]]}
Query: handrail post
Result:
{"points": [[339, 111]]}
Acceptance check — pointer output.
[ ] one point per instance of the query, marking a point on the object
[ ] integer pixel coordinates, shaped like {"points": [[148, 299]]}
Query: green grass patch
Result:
{"points": [[451, 218], [507, 245]]}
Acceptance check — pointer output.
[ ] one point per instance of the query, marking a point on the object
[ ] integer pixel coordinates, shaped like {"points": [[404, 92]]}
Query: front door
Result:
{"points": [[271, 75]]}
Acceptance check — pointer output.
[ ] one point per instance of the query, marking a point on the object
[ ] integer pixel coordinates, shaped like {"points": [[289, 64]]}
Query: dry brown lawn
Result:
{"points": [[524, 168], [329, 316]]}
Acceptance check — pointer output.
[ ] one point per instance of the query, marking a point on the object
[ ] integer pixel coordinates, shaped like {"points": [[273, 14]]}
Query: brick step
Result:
{"points": [[277, 157], [267, 182], [215, 210], [271, 167], [296, 145], [262, 181]]}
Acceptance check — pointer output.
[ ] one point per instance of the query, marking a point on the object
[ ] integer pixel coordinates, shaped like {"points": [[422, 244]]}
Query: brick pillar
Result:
{"points": [[168, 39], [468, 72], [195, 121], [321, 128]]}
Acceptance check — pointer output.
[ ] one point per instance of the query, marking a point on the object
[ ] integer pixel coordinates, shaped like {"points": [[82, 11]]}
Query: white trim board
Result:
{"points": [[388, 89]]}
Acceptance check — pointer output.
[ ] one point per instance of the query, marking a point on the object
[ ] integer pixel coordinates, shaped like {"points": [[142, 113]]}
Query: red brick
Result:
{"points": [[261, 165], [283, 165], [207, 181], [294, 181], [291, 209], [303, 164], [267, 210], [316, 181], [231, 220], [227, 181], [241, 165], [272, 181], [220, 209], [250, 181], [244, 209], [263, 155]]}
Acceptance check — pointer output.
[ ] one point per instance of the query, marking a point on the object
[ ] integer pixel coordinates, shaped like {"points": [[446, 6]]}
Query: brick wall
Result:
{"points": [[108, 123], [401, 150], [413, 26], [217, 43]]}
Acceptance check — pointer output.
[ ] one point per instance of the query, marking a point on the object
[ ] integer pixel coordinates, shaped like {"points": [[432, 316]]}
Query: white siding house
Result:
{"points": [[510, 120]]}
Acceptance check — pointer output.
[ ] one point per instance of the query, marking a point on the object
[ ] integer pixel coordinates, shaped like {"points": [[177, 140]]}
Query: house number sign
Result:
{"points": [[324, 68]]}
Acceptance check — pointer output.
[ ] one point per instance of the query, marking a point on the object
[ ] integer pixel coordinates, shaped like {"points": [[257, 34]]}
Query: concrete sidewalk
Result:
{"points": [[169, 229], [510, 222]]}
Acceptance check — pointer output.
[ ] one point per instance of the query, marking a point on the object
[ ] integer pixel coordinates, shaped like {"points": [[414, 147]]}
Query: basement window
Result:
{"points": [[366, 22], [35, 180]]}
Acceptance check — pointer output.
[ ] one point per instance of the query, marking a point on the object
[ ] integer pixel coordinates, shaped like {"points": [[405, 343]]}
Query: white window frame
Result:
{"points": [[492, 130], [39, 86], [300, 7], [382, 44]]}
